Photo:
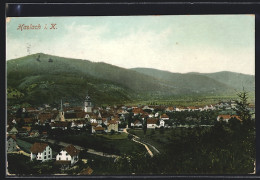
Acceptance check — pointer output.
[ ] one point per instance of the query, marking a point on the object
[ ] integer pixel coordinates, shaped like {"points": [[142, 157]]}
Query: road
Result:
{"points": [[137, 140], [20, 151], [92, 151]]}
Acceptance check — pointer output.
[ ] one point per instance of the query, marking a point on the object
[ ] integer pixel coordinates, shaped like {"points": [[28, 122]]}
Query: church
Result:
{"points": [[75, 115]]}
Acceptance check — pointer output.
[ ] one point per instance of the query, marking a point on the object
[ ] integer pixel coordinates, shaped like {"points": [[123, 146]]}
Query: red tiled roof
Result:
{"points": [[152, 120], [164, 116], [71, 150], [38, 147], [99, 129], [226, 116], [138, 111], [11, 136]]}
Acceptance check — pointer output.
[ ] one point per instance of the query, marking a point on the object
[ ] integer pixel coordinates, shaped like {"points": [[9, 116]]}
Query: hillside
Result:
{"points": [[189, 82], [42, 78]]}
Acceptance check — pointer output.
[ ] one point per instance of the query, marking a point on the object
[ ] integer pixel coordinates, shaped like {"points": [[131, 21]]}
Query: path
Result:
{"points": [[92, 151], [136, 139], [20, 151]]}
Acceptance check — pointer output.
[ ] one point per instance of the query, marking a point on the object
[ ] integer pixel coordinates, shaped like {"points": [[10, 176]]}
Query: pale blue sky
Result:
{"points": [[184, 43]]}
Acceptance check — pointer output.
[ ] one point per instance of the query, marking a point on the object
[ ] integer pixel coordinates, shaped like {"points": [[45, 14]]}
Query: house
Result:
{"points": [[41, 152], [13, 131], [169, 109], [59, 125], [137, 111], [162, 123], [226, 118], [94, 125], [98, 130], [164, 117], [11, 143], [112, 125], [99, 120], [78, 124], [74, 116], [68, 154], [137, 123], [152, 122], [193, 108]]}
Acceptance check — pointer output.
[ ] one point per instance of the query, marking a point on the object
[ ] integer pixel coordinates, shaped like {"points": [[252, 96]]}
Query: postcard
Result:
{"points": [[130, 95]]}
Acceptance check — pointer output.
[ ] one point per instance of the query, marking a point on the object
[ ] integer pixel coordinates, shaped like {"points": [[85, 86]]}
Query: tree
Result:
{"points": [[242, 109]]}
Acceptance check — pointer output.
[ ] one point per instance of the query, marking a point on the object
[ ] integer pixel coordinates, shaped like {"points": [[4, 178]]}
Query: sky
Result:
{"points": [[179, 43]]}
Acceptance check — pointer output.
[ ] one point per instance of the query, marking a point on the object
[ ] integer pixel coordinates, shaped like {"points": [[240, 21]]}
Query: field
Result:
{"points": [[157, 137], [114, 136], [113, 144], [192, 100]]}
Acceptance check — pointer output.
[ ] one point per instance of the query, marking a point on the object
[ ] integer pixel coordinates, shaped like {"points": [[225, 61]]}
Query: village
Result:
{"points": [[42, 123]]}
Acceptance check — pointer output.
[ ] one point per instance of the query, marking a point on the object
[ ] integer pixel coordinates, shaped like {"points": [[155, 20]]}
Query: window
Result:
{"points": [[49, 152], [49, 156], [44, 157], [66, 158], [59, 158], [66, 154], [59, 153], [44, 153]]}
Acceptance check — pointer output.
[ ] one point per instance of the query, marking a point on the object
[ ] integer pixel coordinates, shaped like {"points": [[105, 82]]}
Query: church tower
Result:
{"points": [[88, 104], [61, 112]]}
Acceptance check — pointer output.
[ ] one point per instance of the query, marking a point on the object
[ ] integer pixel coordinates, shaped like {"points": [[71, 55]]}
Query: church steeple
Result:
{"points": [[61, 113], [88, 104]]}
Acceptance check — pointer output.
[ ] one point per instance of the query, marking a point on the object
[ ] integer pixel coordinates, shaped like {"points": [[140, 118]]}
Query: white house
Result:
{"points": [[69, 154], [41, 152], [162, 123], [164, 117], [152, 123]]}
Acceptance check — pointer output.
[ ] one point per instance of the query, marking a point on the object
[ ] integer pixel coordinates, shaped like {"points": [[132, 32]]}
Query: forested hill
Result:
{"points": [[232, 80], [42, 78]]}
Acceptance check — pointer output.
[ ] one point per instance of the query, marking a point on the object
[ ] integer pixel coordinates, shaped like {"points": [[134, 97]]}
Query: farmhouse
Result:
{"points": [[226, 118], [112, 125], [69, 155], [41, 152], [152, 123]]}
